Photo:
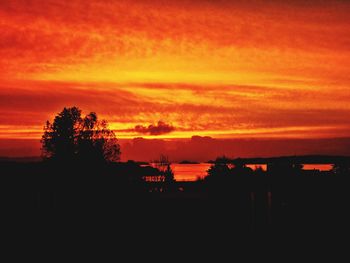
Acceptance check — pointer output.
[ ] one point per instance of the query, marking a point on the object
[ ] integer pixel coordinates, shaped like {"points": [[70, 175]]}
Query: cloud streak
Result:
{"points": [[221, 110]]}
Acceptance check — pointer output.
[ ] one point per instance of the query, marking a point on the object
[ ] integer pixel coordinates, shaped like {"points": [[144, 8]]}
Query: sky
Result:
{"points": [[171, 70]]}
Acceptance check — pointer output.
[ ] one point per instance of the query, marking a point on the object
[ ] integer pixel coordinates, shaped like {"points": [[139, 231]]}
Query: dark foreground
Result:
{"points": [[76, 206]]}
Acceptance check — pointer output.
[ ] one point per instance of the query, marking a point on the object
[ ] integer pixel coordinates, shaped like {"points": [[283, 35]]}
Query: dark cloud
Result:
{"points": [[34, 102], [157, 129], [199, 148], [202, 149]]}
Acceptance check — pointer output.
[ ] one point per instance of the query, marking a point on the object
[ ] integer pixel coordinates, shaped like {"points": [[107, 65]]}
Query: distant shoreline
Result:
{"points": [[188, 162], [303, 159]]}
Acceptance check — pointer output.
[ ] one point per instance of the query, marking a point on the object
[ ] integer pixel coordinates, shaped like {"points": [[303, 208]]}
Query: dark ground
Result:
{"points": [[76, 211]]}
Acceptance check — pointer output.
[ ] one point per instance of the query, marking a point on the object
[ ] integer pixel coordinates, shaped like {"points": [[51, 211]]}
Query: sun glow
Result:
{"points": [[226, 70]]}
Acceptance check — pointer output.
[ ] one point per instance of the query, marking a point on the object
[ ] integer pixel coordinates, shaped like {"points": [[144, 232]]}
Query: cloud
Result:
{"points": [[158, 129], [199, 148], [193, 109], [202, 149], [45, 36]]}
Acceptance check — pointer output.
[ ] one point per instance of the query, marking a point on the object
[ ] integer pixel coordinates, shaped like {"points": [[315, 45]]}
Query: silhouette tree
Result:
{"points": [[225, 169], [73, 138], [163, 165], [169, 174], [218, 170]]}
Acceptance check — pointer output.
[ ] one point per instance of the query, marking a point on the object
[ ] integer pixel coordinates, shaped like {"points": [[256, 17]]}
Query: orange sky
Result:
{"points": [[209, 68]]}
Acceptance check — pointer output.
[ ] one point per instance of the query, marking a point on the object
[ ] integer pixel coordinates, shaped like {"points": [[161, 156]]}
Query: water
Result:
{"points": [[192, 172], [256, 166], [321, 167]]}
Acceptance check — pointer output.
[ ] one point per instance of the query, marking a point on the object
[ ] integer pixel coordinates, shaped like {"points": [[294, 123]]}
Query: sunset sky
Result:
{"points": [[175, 69]]}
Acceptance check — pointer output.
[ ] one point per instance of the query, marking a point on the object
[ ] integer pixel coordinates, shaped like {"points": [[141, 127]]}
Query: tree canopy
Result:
{"points": [[72, 137]]}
